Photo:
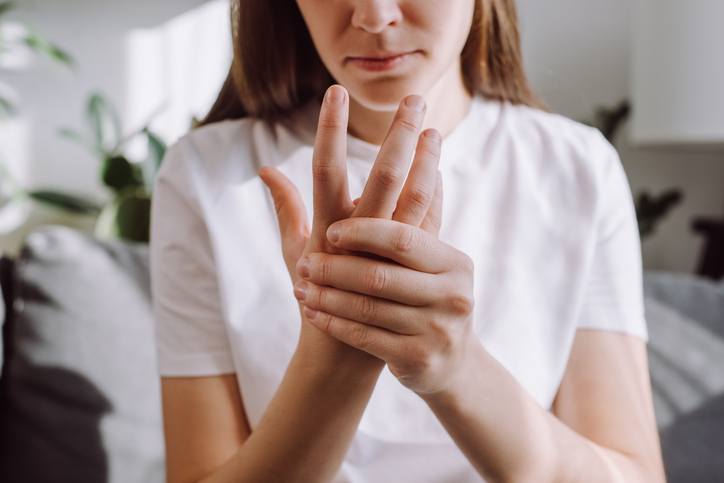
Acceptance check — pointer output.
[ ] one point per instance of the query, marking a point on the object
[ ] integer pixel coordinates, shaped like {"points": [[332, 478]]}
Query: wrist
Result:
{"points": [[457, 383], [326, 356]]}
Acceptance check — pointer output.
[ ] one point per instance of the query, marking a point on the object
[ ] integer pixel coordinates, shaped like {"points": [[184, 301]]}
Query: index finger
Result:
{"points": [[329, 161], [388, 174]]}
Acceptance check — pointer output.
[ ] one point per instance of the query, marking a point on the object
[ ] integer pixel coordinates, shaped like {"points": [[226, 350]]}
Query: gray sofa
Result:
{"points": [[79, 394]]}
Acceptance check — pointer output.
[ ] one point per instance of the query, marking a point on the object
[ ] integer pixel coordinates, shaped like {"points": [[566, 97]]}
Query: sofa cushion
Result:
{"points": [[80, 392], [685, 315]]}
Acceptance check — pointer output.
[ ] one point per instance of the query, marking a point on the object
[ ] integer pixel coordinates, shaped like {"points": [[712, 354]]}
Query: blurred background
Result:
{"points": [[92, 92], [160, 63]]}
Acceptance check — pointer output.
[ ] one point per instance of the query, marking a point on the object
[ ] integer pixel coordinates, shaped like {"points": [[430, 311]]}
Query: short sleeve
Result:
{"points": [[191, 335], [613, 295]]}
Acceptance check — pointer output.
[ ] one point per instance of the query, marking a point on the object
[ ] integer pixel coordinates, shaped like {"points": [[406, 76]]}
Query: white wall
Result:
{"points": [[577, 54], [96, 33]]}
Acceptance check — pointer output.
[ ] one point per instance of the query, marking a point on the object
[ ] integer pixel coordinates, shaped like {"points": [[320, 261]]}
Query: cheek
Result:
{"points": [[448, 23], [325, 23]]}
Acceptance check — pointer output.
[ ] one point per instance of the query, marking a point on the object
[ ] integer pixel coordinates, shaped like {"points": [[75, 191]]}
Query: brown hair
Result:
{"points": [[276, 68]]}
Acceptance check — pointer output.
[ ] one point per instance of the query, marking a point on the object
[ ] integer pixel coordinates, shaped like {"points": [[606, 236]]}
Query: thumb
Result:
{"points": [[291, 215]]}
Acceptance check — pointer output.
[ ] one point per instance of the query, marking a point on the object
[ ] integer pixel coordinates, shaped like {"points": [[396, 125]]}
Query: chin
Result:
{"points": [[382, 95]]}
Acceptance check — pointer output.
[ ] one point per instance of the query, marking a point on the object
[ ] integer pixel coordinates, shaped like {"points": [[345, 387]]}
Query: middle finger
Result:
{"points": [[383, 187]]}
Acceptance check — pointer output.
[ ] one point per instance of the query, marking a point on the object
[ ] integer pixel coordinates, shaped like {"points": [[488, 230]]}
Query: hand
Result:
{"points": [[384, 190], [414, 311]]}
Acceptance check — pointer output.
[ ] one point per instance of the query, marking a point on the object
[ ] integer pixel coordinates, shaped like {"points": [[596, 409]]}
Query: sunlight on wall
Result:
{"points": [[174, 71], [14, 150]]}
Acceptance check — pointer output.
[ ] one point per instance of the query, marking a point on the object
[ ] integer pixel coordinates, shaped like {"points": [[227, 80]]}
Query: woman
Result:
{"points": [[495, 336]]}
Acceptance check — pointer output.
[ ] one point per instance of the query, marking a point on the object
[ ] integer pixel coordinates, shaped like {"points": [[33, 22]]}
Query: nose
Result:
{"points": [[374, 16]]}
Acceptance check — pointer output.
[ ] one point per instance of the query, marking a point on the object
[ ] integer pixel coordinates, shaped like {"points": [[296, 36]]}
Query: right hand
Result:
{"points": [[418, 202]]}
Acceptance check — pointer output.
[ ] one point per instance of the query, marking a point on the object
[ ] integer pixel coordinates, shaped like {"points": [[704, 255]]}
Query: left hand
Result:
{"points": [[414, 311]]}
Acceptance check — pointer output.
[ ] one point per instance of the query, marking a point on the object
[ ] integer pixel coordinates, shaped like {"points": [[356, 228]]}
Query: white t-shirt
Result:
{"points": [[540, 203]]}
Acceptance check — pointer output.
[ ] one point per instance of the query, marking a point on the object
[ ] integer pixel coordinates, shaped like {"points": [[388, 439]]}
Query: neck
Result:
{"points": [[447, 104]]}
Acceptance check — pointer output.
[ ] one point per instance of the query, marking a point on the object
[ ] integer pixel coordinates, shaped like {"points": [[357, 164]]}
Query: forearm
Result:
{"points": [[508, 437], [309, 424]]}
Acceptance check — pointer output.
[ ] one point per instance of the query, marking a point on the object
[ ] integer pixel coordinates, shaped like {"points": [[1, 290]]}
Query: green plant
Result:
{"points": [[652, 209], [30, 38], [127, 216]]}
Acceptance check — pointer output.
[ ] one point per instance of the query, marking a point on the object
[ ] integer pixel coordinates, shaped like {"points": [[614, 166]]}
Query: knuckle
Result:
{"points": [[418, 362], [324, 269], [460, 304], [358, 335], [419, 198], [404, 240], [324, 170], [387, 177], [331, 124], [319, 297], [376, 278], [325, 321], [408, 125], [432, 149], [365, 308]]}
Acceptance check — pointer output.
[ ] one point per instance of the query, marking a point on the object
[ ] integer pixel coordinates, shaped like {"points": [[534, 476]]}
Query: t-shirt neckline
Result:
{"points": [[453, 144]]}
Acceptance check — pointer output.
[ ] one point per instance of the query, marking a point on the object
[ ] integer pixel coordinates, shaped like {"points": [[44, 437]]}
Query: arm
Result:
{"points": [[308, 427], [303, 435], [602, 428], [416, 315]]}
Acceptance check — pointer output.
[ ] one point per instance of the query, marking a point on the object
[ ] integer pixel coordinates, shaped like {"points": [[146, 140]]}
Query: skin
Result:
{"points": [[409, 308]]}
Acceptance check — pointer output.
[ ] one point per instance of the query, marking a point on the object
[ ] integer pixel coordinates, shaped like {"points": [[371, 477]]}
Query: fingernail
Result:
{"points": [[300, 290], [415, 103], [433, 135], [303, 267], [310, 313], [335, 95], [333, 233]]}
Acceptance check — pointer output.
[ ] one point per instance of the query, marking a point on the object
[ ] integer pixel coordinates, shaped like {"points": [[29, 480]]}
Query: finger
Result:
{"points": [[291, 214], [419, 189], [407, 245], [433, 218], [355, 201], [331, 197], [380, 343], [370, 277], [381, 313], [383, 187]]}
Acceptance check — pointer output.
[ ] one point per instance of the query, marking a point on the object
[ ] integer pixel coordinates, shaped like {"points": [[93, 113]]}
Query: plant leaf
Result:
{"points": [[156, 148], [104, 123], [6, 108], [133, 217], [156, 151], [118, 174], [5, 7], [66, 202], [39, 44]]}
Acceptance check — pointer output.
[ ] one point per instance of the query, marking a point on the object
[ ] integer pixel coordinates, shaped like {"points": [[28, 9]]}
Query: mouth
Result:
{"points": [[381, 61]]}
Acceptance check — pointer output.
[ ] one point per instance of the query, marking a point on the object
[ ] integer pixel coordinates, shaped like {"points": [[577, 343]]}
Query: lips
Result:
{"points": [[381, 61]]}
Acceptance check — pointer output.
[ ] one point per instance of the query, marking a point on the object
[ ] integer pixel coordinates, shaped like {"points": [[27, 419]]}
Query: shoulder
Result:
{"points": [[557, 138], [213, 148], [558, 152]]}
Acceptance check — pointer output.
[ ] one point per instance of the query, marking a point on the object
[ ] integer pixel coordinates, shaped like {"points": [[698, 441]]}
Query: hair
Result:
{"points": [[276, 68]]}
